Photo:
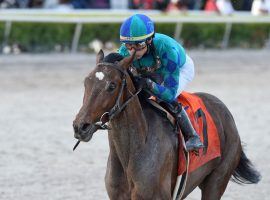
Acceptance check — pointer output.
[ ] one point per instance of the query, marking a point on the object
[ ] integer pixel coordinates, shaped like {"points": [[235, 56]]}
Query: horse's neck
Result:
{"points": [[129, 131]]}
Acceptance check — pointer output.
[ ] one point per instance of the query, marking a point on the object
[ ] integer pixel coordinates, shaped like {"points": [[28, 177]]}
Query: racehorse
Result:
{"points": [[143, 158]]}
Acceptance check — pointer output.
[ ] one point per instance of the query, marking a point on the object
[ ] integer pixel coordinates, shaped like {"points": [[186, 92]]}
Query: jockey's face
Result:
{"points": [[140, 48], [137, 46]]}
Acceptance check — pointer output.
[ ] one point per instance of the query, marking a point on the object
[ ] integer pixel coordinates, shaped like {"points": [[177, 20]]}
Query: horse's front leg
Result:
{"points": [[153, 178], [115, 179]]}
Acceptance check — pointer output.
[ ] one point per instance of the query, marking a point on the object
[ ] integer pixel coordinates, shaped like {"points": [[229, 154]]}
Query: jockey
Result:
{"points": [[164, 67]]}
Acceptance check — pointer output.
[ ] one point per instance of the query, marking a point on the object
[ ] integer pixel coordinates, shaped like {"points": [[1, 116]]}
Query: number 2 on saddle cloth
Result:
{"points": [[204, 124]]}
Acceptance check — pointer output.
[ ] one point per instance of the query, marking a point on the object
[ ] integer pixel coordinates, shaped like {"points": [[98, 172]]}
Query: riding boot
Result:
{"points": [[193, 142]]}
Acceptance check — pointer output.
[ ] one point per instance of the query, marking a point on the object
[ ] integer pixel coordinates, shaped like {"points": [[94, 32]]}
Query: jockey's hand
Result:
{"points": [[141, 82]]}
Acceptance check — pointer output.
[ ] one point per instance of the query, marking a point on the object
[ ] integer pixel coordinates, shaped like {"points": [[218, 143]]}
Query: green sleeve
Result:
{"points": [[123, 51]]}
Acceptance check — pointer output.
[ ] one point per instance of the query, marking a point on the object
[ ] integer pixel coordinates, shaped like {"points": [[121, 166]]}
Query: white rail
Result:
{"points": [[80, 17], [117, 16]]}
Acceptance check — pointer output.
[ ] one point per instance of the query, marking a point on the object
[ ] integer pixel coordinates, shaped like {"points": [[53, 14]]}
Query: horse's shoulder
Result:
{"points": [[155, 116]]}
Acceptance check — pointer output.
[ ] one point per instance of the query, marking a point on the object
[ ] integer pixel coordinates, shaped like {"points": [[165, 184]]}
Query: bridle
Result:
{"points": [[117, 108]]}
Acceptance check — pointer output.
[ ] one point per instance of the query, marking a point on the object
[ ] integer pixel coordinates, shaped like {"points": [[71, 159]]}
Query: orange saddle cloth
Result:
{"points": [[205, 127]]}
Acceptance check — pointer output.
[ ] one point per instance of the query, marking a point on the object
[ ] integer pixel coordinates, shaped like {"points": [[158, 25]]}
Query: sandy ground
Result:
{"points": [[40, 95]]}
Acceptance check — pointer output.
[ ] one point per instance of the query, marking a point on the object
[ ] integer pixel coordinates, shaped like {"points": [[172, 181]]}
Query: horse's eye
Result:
{"points": [[110, 86]]}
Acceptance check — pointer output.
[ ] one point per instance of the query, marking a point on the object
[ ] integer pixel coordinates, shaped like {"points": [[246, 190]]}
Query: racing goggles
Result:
{"points": [[137, 46]]}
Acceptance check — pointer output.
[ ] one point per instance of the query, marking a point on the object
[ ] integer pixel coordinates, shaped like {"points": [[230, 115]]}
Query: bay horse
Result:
{"points": [[143, 158]]}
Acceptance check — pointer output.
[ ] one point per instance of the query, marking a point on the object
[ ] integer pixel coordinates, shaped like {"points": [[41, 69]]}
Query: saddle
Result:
{"points": [[202, 123]]}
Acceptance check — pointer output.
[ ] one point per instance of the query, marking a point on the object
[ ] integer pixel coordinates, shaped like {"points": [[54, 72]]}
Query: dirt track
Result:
{"points": [[40, 95]]}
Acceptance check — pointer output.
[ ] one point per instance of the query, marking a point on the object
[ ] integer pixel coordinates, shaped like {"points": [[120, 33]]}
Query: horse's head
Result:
{"points": [[102, 96]]}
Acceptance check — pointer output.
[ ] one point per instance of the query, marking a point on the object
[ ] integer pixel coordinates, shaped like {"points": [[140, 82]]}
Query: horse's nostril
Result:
{"points": [[85, 126]]}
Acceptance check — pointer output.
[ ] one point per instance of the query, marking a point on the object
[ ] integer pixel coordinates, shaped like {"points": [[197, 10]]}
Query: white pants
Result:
{"points": [[186, 75]]}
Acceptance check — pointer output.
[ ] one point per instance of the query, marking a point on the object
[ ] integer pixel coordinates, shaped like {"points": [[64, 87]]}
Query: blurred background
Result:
{"points": [[37, 26], [47, 47]]}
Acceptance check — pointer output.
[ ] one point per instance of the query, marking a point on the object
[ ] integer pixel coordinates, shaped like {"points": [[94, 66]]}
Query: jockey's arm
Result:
{"points": [[162, 92], [170, 60]]}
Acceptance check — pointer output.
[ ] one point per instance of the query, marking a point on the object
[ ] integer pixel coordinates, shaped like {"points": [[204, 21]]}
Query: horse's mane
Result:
{"points": [[113, 57]]}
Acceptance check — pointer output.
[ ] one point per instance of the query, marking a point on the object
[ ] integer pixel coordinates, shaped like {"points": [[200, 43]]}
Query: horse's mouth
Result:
{"points": [[86, 136]]}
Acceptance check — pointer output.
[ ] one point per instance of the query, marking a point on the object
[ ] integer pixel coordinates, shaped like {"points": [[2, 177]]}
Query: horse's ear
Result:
{"points": [[100, 56], [126, 62]]}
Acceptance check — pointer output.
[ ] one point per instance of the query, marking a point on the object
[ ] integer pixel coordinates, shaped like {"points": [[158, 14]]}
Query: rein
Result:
{"points": [[117, 108]]}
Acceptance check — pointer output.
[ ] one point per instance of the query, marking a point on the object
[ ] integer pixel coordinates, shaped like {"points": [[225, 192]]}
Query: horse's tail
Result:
{"points": [[245, 172]]}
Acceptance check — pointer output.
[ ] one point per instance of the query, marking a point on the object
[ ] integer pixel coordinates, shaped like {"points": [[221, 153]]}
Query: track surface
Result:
{"points": [[41, 94]]}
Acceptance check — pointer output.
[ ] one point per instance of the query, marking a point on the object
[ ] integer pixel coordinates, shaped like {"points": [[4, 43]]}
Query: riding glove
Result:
{"points": [[141, 82]]}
